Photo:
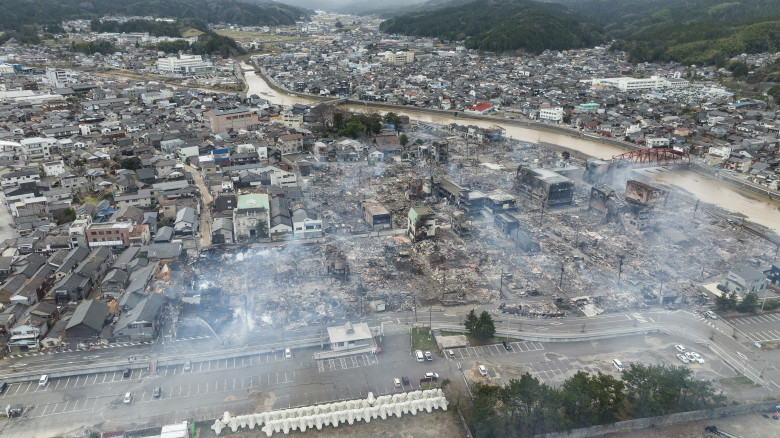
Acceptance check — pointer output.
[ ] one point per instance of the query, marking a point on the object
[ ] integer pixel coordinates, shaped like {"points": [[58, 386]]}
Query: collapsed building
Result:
{"points": [[544, 185]]}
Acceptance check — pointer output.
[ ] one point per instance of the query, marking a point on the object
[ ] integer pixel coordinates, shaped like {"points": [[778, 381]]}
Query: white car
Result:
{"points": [[694, 357], [433, 376], [683, 358], [128, 398], [710, 314], [679, 348], [44, 380], [483, 370]]}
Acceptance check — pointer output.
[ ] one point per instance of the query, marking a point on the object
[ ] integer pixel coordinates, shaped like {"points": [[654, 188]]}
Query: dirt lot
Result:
{"points": [[744, 426], [423, 425]]}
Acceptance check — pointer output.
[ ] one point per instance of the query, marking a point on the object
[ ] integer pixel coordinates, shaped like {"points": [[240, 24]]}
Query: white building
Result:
{"points": [[551, 114], [57, 78], [184, 65], [37, 148], [54, 168], [658, 142], [6, 69], [651, 83]]}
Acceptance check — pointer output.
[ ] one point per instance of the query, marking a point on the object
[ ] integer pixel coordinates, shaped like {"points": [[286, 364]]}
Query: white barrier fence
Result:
{"points": [[335, 414]]}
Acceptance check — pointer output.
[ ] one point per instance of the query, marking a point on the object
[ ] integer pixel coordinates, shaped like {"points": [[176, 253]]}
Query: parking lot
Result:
{"points": [[759, 328], [70, 383], [347, 362], [496, 349]]}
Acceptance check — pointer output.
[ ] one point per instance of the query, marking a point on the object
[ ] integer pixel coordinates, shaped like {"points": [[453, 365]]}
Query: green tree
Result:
{"points": [[68, 215], [471, 321], [338, 24], [403, 139], [262, 228], [338, 121], [749, 303], [78, 164], [485, 325], [132, 163], [532, 407], [353, 128], [76, 199]]}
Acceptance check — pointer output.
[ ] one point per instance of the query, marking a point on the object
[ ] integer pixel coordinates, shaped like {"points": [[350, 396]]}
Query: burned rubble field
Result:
{"points": [[583, 265]]}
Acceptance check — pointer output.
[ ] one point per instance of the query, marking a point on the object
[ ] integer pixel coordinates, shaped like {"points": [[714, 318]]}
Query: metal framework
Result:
{"points": [[652, 157]]}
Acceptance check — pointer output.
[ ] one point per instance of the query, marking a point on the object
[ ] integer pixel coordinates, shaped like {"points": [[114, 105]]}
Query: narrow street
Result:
{"points": [[205, 214]]}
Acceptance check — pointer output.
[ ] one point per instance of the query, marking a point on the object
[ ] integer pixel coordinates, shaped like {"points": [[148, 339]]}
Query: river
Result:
{"points": [[708, 189]]}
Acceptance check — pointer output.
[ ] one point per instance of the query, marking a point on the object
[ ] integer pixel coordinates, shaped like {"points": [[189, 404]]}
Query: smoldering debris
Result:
{"points": [[540, 260]]}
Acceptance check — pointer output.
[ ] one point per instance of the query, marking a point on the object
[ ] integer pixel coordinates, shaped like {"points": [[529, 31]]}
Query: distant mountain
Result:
{"points": [[16, 13], [689, 32], [500, 25], [622, 18], [356, 7]]}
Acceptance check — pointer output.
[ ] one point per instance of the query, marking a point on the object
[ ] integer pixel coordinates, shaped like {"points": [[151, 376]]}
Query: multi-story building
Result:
{"points": [[551, 114], [57, 78], [249, 211], [186, 65], [37, 148], [109, 234], [229, 118]]}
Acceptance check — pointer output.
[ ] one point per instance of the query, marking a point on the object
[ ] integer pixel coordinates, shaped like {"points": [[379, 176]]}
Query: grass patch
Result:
{"points": [[191, 32], [478, 341], [92, 201], [738, 381], [422, 340]]}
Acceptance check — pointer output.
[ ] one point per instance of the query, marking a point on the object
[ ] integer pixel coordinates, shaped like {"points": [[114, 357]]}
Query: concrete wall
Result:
{"points": [[645, 423]]}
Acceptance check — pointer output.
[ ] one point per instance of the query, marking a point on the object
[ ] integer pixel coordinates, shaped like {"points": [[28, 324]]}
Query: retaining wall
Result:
{"points": [[682, 417]]}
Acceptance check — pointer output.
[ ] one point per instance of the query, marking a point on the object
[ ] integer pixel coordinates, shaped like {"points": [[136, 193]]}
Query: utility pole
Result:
{"points": [[696, 208], [560, 282], [501, 283], [620, 268]]}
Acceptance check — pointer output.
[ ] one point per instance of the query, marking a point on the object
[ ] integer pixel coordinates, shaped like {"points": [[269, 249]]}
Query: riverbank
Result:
{"points": [[729, 195]]}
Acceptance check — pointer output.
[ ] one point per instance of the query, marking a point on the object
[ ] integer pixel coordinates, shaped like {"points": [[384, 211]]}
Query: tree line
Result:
{"points": [[526, 407]]}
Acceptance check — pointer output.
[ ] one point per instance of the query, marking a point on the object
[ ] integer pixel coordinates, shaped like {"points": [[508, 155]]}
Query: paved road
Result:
{"points": [[7, 230], [249, 381]]}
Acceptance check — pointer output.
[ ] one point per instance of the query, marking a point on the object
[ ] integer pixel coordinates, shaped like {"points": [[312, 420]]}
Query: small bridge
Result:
{"points": [[653, 157]]}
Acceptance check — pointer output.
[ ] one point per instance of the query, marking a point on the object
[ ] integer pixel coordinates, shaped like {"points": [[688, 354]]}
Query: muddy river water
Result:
{"points": [[708, 189]]}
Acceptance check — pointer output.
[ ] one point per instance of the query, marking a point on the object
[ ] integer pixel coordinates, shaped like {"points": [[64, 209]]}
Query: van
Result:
{"points": [[451, 354], [44, 380], [618, 364], [419, 355], [126, 372], [287, 353]]}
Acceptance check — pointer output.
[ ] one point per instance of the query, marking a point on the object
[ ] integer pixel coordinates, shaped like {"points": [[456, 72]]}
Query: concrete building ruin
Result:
{"points": [[377, 216], [544, 185], [335, 262], [421, 223]]}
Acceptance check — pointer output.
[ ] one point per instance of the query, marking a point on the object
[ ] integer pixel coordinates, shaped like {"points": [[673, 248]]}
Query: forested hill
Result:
{"points": [[17, 13], [501, 25]]}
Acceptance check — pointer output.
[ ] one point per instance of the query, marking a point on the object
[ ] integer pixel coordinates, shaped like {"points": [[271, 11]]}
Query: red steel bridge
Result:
{"points": [[653, 157]]}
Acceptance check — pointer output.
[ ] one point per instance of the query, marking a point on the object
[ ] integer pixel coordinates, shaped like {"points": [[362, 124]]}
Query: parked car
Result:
{"points": [[419, 355], [483, 370], [710, 314], [683, 358], [507, 346], [451, 354], [157, 392], [397, 382], [694, 357], [188, 366], [722, 288], [428, 355], [434, 376], [405, 380], [126, 373], [44, 380], [128, 398], [287, 353], [679, 348], [3, 385]]}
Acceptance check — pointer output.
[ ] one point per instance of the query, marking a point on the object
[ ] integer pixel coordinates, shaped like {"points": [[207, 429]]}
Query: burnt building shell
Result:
{"points": [[545, 185], [377, 216]]}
